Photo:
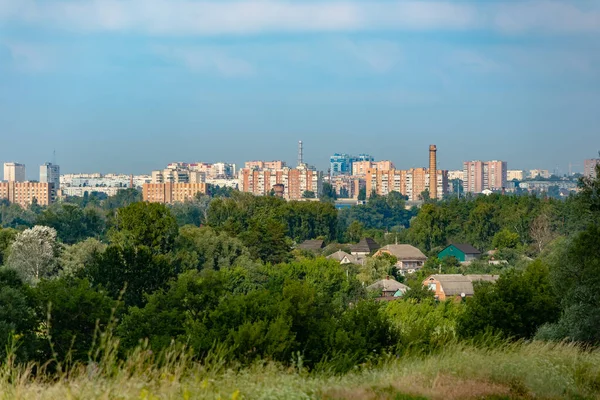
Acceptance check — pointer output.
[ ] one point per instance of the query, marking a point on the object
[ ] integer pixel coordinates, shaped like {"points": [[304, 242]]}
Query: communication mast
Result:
{"points": [[300, 158]]}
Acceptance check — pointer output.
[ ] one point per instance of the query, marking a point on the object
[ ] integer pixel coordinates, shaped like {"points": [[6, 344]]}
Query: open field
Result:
{"points": [[534, 370]]}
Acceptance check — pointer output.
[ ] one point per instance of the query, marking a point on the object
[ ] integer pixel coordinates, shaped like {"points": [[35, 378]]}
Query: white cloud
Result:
{"points": [[27, 57], [207, 59], [545, 16], [379, 55], [206, 17], [475, 61], [190, 17]]}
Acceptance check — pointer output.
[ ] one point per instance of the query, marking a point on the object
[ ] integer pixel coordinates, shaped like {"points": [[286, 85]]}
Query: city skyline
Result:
{"points": [[33, 173], [128, 86]]}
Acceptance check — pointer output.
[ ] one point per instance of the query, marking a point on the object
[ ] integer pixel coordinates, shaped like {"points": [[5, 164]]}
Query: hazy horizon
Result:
{"points": [[130, 85]]}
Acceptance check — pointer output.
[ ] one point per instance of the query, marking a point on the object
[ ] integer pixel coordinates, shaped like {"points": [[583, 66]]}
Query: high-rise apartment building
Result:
{"points": [[14, 172], [270, 165], [222, 170], [295, 181], [455, 174], [513, 174], [481, 175], [342, 164], [218, 170], [360, 168], [24, 193], [178, 176], [411, 183], [169, 193], [347, 186], [50, 173], [589, 167]]}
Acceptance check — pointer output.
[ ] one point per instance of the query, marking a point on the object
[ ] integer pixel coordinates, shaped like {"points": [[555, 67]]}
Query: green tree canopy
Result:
{"points": [[138, 269], [72, 223], [516, 305], [146, 224], [17, 315], [76, 310]]}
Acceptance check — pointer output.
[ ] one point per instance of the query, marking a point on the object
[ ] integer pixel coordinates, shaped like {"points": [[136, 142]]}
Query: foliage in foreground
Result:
{"points": [[546, 371]]}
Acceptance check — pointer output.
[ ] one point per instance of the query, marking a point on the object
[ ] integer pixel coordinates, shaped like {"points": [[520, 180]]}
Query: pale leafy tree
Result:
{"points": [[541, 231], [76, 257], [375, 268], [34, 253]]}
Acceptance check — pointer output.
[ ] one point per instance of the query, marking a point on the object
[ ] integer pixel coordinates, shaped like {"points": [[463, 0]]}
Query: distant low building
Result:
{"points": [[390, 289], [314, 245], [539, 173], [365, 247], [447, 286], [410, 259], [344, 258], [461, 251]]}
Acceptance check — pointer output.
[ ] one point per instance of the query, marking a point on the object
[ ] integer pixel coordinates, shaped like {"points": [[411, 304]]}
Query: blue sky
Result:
{"points": [[129, 85]]}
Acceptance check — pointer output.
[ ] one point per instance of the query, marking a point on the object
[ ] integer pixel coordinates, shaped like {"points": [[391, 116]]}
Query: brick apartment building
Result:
{"points": [[360, 168], [23, 193], [481, 175], [411, 182], [295, 181], [589, 167], [169, 193]]}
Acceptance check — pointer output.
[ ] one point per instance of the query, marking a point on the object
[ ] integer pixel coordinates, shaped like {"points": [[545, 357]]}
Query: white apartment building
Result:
{"points": [[456, 174], [14, 172], [97, 180], [50, 173], [542, 173], [513, 174]]}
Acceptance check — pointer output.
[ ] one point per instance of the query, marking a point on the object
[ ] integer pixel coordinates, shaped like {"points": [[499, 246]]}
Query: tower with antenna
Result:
{"points": [[300, 155]]}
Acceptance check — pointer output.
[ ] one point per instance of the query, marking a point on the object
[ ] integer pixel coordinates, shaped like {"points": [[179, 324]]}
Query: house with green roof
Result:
{"points": [[462, 251]]}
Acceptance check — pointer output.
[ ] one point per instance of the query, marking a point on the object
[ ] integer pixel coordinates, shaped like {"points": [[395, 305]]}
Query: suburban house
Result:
{"points": [[463, 252], [447, 286], [410, 259], [344, 258], [365, 247], [390, 289], [315, 245]]}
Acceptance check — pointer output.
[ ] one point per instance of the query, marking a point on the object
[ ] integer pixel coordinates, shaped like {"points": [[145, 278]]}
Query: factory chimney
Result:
{"points": [[432, 172]]}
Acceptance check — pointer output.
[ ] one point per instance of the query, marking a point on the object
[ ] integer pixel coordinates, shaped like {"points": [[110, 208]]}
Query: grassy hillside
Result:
{"points": [[459, 372]]}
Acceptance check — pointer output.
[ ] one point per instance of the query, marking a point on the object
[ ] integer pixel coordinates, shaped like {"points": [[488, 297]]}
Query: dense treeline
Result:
{"points": [[219, 274]]}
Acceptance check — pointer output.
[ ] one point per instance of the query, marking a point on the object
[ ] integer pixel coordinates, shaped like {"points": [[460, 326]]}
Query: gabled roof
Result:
{"points": [[388, 285], [456, 284], [340, 255], [466, 248], [366, 245], [404, 252], [312, 245]]}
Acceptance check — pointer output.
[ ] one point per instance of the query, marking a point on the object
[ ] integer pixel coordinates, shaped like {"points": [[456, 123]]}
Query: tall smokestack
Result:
{"points": [[432, 172]]}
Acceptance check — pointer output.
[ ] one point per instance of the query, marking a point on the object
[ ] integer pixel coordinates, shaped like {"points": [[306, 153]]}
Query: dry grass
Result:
{"points": [[537, 370]]}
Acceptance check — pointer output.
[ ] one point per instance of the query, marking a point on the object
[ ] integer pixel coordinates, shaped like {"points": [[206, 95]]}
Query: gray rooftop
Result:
{"points": [[405, 252]]}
